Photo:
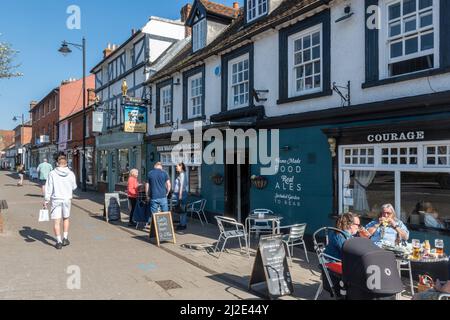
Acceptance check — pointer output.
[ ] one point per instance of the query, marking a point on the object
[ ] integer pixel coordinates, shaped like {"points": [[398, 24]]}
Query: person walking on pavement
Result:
{"points": [[180, 192], [21, 172], [59, 189], [158, 188], [43, 170]]}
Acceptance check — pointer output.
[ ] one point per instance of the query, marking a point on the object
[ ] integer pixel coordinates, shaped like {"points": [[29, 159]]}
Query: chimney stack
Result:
{"points": [[33, 104], [107, 51], [236, 5], [185, 12], [133, 31]]}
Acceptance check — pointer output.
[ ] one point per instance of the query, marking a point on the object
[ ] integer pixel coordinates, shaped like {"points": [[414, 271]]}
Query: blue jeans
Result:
{"points": [[183, 216], [156, 203]]}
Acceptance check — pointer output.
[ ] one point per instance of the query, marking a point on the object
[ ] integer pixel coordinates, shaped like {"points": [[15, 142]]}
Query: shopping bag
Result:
{"points": [[43, 215], [141, 212]]}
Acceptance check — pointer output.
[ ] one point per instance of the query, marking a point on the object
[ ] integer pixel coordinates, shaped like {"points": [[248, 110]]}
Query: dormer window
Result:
{"points": [[199, 35], [256, 9]]}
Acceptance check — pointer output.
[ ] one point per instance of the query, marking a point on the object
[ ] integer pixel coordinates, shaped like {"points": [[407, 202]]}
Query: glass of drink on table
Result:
{"points": [[416, 249], [439, 245]]}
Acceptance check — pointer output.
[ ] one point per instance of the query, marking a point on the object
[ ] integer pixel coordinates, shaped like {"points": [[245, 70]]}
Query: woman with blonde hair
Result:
{"points": [[132, 188], [387, 228]]}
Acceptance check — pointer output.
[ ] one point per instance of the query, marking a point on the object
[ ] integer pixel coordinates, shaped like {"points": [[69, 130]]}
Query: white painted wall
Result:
{"points": [[347, 63]]}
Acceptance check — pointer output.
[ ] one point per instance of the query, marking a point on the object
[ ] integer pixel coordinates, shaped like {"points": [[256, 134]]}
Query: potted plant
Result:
{"points": [[259, 182]]}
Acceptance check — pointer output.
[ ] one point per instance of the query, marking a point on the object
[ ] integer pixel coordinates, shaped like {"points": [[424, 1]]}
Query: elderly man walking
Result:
{"points": [[59, 189], [43, 170]]}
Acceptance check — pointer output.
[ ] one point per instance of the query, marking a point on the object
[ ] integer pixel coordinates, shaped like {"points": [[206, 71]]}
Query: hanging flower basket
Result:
{"points": [[259, 182], [217, 179]]}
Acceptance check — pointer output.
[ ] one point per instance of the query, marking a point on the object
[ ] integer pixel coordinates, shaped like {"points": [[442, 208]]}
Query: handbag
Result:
{"points": [[141, 212], [425, 283], [43, 215]]}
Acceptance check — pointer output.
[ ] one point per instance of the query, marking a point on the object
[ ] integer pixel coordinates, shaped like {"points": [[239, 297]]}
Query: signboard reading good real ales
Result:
{"points": [[135, 119]]}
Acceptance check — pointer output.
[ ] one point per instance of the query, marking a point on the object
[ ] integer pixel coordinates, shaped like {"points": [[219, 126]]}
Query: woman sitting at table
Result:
{"points": [[349, 224], [387, 228]]}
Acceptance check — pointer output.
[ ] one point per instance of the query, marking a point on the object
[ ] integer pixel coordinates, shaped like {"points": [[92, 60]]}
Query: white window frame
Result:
{"points": [[256, 9], [199, 33], [165, 102], [397, 169], [168, 162], [198, 78], [237, 61], [385, 39], [292, 75]]}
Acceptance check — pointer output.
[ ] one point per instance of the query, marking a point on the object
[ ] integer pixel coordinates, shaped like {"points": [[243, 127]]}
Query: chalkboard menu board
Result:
{"points": [[162, 228], [271, 267], [112, 207]]}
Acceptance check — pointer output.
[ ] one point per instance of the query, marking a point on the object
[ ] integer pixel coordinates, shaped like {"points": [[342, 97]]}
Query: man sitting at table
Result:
{"points": [[433, 294], [387, 228]]}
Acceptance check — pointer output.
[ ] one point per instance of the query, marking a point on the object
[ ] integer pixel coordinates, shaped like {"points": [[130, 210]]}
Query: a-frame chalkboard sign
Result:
{"points": [[271, 267], [161, 228]]}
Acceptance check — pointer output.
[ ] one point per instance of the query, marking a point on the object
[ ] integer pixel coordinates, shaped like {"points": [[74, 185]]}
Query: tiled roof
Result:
{"points": [[237, 32], [220, 9]]}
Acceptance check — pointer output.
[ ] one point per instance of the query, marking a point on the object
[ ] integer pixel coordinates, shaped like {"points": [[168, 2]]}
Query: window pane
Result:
{"points": [[298, 58], [409, 6], [425, 4], [316, 52], [309, 83], [395, 29], [317, 82], [427, 41], [396, 50], [410, 25], [426, 19], [307, 42], [306, 55], [425, 199], [317, 67], [367, 191], [411, 45], [309, 68], [316, 38], [298, 45], [394, 11]]}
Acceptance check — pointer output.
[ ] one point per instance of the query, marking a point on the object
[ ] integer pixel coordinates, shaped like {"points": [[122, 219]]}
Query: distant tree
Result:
{"points": [[7, 55]]}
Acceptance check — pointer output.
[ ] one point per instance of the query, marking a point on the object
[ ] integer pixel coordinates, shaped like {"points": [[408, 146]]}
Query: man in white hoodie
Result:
{"points": [[59, 189]]}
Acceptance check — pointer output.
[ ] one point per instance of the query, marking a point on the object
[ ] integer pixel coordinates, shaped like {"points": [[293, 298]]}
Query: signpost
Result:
{"points": [[162, 228], [135, 119], [271, 267], [112, 207]]}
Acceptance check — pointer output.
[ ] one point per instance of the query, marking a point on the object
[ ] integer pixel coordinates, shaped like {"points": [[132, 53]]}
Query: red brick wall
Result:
{"points": [[71, 96], [6, 138], [41, 121]]}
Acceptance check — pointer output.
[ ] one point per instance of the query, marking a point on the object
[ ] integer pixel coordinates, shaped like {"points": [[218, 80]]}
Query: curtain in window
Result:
{"points": [[363, 179]]}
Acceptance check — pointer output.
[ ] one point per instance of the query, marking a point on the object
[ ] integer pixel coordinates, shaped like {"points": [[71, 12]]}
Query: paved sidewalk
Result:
{"points": [[119, 262]]}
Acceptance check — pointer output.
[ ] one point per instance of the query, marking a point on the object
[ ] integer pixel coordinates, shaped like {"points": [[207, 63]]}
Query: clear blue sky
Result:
{"points": [[36, 29]]}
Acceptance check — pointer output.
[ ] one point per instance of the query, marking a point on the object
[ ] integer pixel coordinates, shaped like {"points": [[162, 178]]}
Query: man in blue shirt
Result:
{"points": [[157, 188]]}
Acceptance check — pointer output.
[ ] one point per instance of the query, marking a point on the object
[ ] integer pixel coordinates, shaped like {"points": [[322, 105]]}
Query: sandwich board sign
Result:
{"points": [[161, 228], [112, 207], [271, 267]]}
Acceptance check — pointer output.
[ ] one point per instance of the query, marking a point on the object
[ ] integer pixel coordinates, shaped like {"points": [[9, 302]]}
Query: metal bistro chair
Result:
{"points": [[444, 296], [405, 265], [260, 226], [295, 238], [234, 230], [328, 264], [198, 207]]}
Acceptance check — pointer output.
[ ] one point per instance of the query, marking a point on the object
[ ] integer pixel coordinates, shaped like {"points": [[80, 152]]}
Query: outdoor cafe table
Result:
{"points": [[437, 268], [256, 218]]}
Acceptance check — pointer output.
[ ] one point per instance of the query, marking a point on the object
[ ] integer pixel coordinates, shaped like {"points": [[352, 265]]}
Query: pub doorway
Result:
{"points": [[237, 187]]}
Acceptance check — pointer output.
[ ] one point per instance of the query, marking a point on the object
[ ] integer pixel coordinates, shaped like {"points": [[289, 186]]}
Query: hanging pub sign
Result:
{"points": [[135, 119]]}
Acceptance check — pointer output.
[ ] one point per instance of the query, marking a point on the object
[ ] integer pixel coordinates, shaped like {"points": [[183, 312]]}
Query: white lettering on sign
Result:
{"points": [[393, 137], [288, 186]]}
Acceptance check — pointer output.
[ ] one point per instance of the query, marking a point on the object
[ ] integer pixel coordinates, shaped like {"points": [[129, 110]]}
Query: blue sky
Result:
{"points": [[36, 28]]}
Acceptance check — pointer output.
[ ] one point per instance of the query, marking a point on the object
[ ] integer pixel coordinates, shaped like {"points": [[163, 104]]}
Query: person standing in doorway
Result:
{"points": [[180, 193], [59, 189], [43, 171], [157, 189]]}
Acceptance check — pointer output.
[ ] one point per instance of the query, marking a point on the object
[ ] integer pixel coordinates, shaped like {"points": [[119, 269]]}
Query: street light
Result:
{"points": [[65, 50], [15, 119]]}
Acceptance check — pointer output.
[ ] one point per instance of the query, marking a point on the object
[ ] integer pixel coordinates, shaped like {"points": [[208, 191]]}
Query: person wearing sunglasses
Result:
{"points": [[349, 224]]}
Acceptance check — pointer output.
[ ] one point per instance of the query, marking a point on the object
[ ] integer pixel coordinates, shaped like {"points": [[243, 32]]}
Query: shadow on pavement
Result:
{"points": [[33, 195], [32, 235]]}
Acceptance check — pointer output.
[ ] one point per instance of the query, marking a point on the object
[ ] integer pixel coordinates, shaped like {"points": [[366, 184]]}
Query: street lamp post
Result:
{"points": [[65, 50], [16, 118]]}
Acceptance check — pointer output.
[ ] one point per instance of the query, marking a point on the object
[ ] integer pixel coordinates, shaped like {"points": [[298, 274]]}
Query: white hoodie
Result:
{"points": [[60, 184]]}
